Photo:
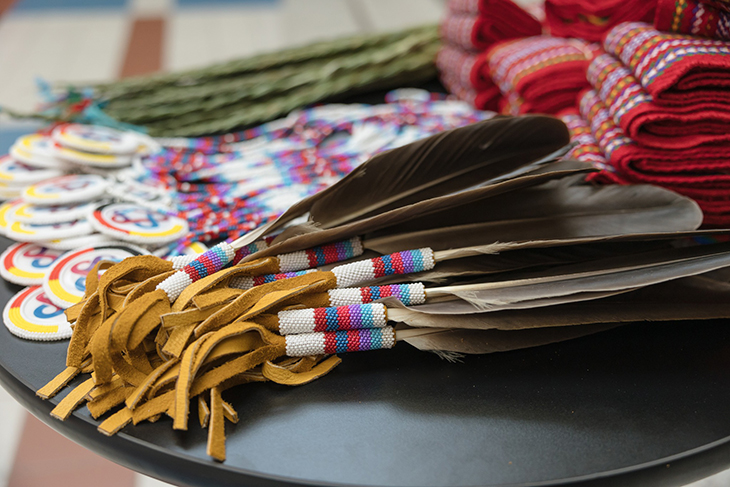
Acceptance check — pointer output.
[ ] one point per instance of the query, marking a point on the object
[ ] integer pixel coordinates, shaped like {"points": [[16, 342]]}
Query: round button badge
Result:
{"points": [[76, 188], [134, 223], [73, 243], [31, 315], [4, 209], [91, 158], [27, 263], [95, 138], [38, 232], [28, 213], [65, 283], [16, 173], [35, 150]]}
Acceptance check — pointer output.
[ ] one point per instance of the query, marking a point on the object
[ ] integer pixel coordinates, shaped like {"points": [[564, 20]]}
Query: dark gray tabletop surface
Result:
{"points": [[644, 404]]}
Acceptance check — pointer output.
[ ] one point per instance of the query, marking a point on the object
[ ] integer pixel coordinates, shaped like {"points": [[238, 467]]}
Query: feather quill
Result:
{"points": [[608, 275], [690, 298]]}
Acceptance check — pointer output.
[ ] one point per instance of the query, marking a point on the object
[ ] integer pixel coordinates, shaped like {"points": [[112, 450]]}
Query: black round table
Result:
{"points": [[640, 405]]}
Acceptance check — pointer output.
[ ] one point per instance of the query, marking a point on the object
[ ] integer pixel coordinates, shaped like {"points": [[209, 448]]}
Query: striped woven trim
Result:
{"points": [[352, 317], [329, 342]]}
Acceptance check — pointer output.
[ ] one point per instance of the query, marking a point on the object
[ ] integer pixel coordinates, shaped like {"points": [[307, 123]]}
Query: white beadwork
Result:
{"points": [[242, 282], [356, 244], [296, 321], [344, 297], [428, 259], [306, 344], [355, 273], [175, 284], [180, 261], [388, 337], [380, 314], [229, 251], [295, 261], [417, 292]]}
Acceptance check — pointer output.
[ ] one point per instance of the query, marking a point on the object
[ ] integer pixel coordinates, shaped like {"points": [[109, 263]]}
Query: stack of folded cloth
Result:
{"points": [[468, 30], [539, 74], [585, 146], [699, 18], [591, 19], [660, 112]]}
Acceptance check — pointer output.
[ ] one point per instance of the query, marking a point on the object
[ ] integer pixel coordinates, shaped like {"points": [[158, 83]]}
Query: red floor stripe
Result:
{"points": [[5, 5], [144, 51], [45, 458]]}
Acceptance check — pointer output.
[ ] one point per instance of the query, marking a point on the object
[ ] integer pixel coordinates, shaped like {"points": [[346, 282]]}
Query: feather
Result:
{"points": [[544, 212], [614, 274], [690, 298], [404, 214], [435, 166], [489, 341]]}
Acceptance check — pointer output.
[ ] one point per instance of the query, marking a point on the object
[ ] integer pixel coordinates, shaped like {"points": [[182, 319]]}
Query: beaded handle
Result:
{"points": [[321, 255], [398, 263], [336, 318], [209, 263], [329, 342], [408, 294], [180, 261]]}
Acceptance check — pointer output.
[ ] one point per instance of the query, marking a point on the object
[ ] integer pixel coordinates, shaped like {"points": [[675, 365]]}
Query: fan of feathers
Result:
{"points": [[476, 240]]}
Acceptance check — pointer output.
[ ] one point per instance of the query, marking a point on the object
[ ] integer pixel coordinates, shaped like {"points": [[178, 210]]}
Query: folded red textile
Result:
{"points": [[487, 99], [719, 4], [539, 74], [591, 19], [692, 17], [675, 69], [506, 19], [586, 147], [471, 70], [702, 174], [707, 167], [650, 124]]}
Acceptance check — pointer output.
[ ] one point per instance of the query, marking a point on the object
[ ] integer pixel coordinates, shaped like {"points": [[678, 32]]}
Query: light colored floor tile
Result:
{"points": [[311, 20], [721, 479], [11, 427], [144, 481], [59, 47], [198, 37], [400, 14]]}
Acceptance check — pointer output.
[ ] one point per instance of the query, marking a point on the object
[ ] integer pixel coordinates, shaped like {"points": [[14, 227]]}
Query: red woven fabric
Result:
{"points": [[469, 69], [675, 69], [586, 147], [692, 17], [539, 74], [650, 124], [702, 174], [486, 99], [504, 18], [591, 19]]}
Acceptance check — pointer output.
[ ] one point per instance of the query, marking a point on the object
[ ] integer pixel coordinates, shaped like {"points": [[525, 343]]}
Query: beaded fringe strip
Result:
{"points": [[329, 342], [338, 318], [408, 294]]}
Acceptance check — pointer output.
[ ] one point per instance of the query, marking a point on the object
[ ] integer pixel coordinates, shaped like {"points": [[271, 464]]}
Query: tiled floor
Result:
{"points": [[97, 40]]}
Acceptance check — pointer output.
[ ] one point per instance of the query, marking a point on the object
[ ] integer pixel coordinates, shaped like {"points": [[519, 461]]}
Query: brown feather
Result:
{"points": [[542, 213], [435, 166]]}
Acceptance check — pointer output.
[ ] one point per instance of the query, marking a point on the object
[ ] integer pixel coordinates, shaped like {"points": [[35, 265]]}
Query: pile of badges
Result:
{"points": [[86, 193], [76, 201]]}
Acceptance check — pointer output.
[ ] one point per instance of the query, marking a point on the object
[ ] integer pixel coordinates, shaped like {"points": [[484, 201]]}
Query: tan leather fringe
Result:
{"points": [[153, 357]]}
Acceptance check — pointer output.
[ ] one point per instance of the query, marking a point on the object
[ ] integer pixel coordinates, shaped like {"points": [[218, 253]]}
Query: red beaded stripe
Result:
{"points": [[353, 340], [320, 319], [378, 267], [396, 260], [330, 343]]}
